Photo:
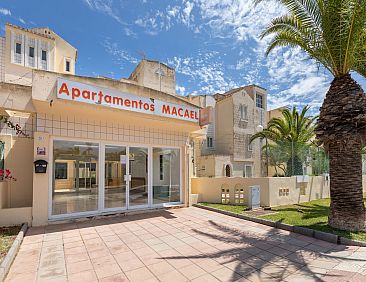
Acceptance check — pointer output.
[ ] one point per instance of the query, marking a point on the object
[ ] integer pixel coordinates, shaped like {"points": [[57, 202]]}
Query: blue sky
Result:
{"points": [[212, 44]]}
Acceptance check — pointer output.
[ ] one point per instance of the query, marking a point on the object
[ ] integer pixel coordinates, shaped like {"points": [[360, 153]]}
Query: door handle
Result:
{"points": [[127, 177]]}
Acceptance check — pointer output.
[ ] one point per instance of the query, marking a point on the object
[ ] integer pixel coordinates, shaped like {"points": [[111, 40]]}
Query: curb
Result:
{"points": [[10, 256], [328, 237]]}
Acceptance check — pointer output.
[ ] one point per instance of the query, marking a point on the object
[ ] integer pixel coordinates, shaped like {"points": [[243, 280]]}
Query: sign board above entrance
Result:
{"points": [[90, 94]]}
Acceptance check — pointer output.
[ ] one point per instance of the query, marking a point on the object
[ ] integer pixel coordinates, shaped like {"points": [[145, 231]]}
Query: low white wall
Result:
{"points": [[275, 191], [15, 216]]}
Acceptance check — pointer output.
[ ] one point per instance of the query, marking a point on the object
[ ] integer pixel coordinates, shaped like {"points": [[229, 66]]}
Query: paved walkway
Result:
{"points": [[180, 245]]}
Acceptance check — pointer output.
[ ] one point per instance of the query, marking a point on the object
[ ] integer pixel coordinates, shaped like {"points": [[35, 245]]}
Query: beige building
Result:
{"points": [[23, 50], [95, 145], [237, 115]]}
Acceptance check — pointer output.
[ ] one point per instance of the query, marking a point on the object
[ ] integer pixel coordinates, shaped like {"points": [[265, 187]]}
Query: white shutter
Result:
{"points": [[36, 53], [39, 54], [48, 56], [26, 51], [22, 51], [12, 38]]}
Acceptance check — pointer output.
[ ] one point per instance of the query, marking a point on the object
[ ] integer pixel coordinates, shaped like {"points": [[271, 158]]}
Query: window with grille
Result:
{"points": [[225, 195], [283, 192], [259, 101], [239, 194]]}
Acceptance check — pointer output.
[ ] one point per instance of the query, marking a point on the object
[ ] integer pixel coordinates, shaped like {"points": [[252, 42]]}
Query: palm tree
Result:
{"points": [[289, 139], [333, 33]]}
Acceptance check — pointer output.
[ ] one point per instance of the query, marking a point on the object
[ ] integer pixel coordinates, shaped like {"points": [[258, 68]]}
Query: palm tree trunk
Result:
{"points": [[342, 129], [346, 207]]}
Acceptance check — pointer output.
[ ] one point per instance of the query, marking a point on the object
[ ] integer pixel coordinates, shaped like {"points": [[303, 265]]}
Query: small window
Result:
{"points": [[67, 66], [44, 55], [248, 171], [259, 101], [60, 170], [18, 48], [209, 142], [250, 144], [243, 112], [161, 167], [31, 52]]}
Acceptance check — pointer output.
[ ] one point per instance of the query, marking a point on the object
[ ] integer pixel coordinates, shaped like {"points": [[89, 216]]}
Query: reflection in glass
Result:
{"points": [[138, 159], [166, 175], [115, 170], [75, 177]]}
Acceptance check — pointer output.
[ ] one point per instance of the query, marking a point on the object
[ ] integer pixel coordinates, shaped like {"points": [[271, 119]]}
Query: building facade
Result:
{"points": [[94, 145], [237, 115]]}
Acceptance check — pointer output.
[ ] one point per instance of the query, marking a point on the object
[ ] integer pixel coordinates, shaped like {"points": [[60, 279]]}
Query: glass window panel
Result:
{"points": [[44, 55], [138, 158], [18, 48], [31, 52], [115, 170], [75, 177], [166, 189]]}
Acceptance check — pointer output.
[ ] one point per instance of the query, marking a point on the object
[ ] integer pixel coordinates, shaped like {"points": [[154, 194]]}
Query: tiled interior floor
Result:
{"points": [[188, 244]]}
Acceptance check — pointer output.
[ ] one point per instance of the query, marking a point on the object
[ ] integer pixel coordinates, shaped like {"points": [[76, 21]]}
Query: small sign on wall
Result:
{"points": [[41, 151]]}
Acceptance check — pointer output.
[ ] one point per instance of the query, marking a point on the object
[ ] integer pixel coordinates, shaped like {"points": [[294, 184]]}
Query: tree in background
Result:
{"points": [[333, 33], [289, 139]]}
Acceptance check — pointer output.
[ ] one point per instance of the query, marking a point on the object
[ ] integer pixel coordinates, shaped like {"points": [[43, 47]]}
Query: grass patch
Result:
{"points": [[7, 237], [312, 215], [230, 208]]}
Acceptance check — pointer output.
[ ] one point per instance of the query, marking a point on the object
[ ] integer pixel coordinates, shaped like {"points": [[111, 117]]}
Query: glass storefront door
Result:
{"points": [[75, 177], [114, 177], [97, 177], [138, 179]]}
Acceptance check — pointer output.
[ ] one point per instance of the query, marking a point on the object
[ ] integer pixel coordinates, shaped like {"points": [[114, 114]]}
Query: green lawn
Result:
{"points": [[230, 208], [7, 236], [312, 215]]}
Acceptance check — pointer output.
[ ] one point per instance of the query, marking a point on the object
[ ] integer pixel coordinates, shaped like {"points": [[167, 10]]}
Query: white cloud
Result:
{"points": [[22, 21], [5, 12], [105, 7], [205, 71], [164, 19], [120, 56], [181, 90], [186, 15]]}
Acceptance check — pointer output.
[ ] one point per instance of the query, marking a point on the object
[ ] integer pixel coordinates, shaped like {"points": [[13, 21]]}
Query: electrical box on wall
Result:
{"points": [[254, 200], [40, 166]]}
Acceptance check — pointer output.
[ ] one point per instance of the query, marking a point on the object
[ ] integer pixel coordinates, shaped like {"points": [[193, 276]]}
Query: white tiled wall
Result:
{"points": [[96, 129], [2, 59]]}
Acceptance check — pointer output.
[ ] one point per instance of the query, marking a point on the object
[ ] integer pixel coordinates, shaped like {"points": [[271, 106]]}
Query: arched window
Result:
{"points": [[227, 170]]}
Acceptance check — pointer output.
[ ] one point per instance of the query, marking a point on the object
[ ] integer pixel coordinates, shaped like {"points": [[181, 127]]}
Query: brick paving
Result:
{"points": [[188, 244]]}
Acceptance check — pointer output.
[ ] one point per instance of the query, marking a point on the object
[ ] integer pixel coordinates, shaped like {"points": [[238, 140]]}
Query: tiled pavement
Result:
{"points": [[180, 245]]}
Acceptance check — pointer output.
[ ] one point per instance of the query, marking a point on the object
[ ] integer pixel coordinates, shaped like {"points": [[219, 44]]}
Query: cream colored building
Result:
{"points": [[110, 146], [24, 50], [237, 115]]}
